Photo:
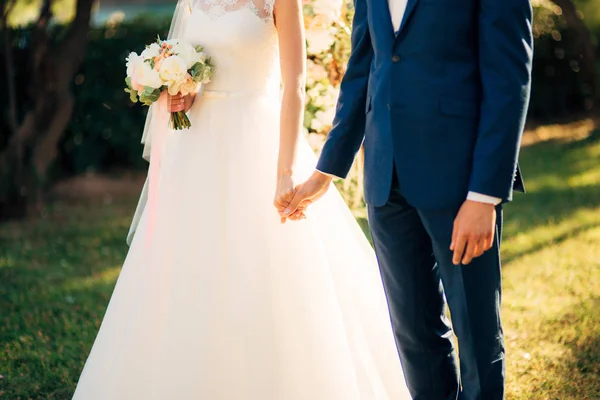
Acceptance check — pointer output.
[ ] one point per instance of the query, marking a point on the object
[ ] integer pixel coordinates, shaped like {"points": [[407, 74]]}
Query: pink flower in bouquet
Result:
{"points": [[158, 61], [172, 67]]}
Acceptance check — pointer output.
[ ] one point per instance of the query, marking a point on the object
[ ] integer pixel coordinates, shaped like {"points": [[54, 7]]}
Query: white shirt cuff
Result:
{"points": [[330, 175], [483, 198]]}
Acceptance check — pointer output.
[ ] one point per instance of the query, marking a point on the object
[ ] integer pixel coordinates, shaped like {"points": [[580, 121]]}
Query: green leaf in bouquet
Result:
{"points": [[150, 95], [196, 70], [193, 71], [199, 49], [132, 95], [128, 81], [151, 62], [207, 73]]}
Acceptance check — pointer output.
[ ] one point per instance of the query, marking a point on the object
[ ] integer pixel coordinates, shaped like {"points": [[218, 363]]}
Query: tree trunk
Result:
{"points": [[32, 146], [584, 43], [5, 9]]}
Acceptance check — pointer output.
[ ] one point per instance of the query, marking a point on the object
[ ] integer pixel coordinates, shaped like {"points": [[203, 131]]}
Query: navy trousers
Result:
{"points": [[413, 249]]}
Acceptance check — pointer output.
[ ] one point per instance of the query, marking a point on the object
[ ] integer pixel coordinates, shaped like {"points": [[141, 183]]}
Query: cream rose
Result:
{"points": [[331, 10], [151, 51], [173, 72], [144, 76], [186, 87], [326, 117], [132, 60], [187, 52], [319, 41]]}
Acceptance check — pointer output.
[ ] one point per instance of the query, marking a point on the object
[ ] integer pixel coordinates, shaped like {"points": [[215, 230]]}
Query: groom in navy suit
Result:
{"points": [[437, 90]]}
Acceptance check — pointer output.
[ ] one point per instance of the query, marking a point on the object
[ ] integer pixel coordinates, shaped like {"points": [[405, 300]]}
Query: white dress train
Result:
{"points": [[217, 300]]}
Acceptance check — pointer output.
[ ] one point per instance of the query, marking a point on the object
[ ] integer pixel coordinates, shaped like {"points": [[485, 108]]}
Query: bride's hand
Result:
{"points": [[284, 194], [181, 103]]}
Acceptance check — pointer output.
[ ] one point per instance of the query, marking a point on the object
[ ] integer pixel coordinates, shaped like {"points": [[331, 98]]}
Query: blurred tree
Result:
{"points": [[585, 44], [36, 126]]}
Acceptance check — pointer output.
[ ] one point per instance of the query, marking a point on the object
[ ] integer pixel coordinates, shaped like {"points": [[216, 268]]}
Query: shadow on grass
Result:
{"points": [[552, 170], [57, 276], [576, 374], [563, 180], [548, 243]]}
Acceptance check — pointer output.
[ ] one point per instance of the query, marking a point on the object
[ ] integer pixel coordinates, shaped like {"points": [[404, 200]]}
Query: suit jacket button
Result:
{"points": [[395, 58]]}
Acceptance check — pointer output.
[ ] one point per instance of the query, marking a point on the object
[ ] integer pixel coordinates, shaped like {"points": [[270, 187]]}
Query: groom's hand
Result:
{"points": [[473, 232], [307, 193]]}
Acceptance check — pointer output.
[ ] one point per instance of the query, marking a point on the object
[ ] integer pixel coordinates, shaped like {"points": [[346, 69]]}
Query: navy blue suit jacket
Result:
{"points": [[444, 99]]}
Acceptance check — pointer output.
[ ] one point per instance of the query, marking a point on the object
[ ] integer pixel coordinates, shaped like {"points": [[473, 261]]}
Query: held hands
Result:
{"points": [[284, 194], [473, 232], [474, 226], [180, 103], [303, 196]]}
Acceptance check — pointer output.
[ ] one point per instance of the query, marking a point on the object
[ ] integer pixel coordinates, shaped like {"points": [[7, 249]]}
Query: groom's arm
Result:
{"points": [[505, 58], [348, 130]]}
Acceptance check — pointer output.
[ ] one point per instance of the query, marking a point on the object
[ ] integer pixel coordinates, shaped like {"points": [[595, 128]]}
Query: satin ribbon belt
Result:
{"points": [[222, 94]]}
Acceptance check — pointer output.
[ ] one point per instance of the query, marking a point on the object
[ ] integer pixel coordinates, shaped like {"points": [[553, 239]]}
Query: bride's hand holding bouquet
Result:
{"points": [[172, 66]]}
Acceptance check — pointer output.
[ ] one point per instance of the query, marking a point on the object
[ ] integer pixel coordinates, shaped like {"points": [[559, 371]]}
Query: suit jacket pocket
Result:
{"points": [[467, 108]]}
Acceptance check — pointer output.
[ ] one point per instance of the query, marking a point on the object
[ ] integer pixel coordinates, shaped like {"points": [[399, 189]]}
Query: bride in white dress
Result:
{"points": [[217, 299]]}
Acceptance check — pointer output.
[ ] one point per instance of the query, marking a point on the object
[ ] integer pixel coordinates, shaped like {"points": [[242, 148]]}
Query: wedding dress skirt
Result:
{"points": [[217, 300]]}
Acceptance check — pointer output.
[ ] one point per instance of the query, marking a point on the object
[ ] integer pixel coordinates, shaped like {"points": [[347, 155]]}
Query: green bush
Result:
{"points": [[106, 128]]}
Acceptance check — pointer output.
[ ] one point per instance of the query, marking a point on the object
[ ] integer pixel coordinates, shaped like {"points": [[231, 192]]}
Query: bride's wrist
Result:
{"points": [[285, 172]]}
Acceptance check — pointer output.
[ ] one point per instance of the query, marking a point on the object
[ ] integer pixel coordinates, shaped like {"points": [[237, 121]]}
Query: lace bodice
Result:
{"points": [[217, 8], [241, 38]]}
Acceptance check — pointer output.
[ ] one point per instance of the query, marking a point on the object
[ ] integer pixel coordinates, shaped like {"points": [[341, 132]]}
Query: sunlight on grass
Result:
{"points": [[551, 248], [517, 243], [58, 273], [107, 276]]}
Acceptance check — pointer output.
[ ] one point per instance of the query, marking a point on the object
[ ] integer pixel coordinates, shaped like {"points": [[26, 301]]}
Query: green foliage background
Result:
{"points": [[106, 128]]}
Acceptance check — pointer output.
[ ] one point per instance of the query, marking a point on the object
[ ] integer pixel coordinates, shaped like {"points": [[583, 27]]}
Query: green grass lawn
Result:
{"points": [[58, 271]]}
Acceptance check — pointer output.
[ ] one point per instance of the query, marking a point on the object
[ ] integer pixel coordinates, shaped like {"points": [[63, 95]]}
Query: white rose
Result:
{"points": [[319, 40], [313, 92], [132, 61], [187, 52], [186, 87], [332, 96], [172, 42], [326, 117], [316, 141], [317, 72], [173, 70], [145, 75], [331, 10], [151, 51], [316, 125]]}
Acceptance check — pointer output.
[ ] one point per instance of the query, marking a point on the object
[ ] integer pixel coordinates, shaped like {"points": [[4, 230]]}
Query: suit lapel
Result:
{"points": [[382, 25], [410, 8]]}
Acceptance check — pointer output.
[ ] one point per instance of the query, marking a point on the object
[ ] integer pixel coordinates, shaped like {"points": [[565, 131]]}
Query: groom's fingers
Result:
{"points": [[283, 200], [459, 248], [454, 236], [470, 251], [280, 205], [299, 197], [299, 213]]}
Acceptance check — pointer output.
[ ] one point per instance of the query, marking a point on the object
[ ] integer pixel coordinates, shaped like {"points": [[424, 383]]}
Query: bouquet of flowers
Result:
{"points": [[167, 65]]}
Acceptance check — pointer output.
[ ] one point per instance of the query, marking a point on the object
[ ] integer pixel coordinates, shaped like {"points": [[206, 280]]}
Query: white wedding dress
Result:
{"points": [[217, 300]]}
